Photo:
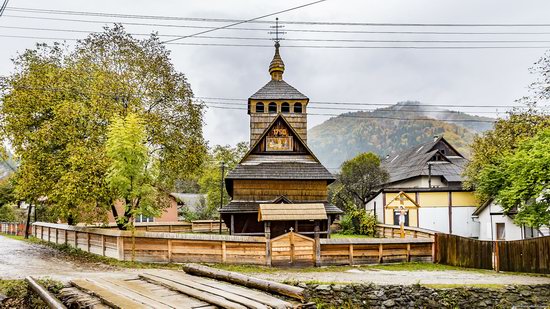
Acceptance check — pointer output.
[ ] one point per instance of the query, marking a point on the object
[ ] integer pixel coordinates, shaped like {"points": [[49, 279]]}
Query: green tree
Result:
{"points": [[57, 107], [489, 149], [522, 181], [131, 174], [211, 178], [359, 178]]}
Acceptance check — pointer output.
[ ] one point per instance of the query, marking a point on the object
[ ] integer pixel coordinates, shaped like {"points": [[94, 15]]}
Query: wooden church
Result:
{"points": [[279, 185]]}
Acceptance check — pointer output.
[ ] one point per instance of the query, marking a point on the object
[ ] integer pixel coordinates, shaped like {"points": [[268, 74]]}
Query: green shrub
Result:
{"points": [[358, 221]]}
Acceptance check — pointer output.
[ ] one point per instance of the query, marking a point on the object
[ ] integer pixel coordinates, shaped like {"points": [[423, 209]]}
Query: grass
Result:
{"points": [[338, 235], [493, 286], [20, 296], [413, 266]]}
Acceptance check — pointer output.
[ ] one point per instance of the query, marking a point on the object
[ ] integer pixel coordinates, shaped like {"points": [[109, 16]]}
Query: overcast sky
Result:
{"points": [[448, 76]]}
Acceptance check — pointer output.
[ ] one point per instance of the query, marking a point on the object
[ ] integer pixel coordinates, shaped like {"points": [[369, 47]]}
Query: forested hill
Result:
{"points": [[343, 137]]}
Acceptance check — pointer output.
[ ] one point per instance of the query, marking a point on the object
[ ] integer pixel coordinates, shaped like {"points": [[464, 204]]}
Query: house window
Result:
{"points": [[259, 107], [298, 107], [142, 218], [285, 107], [272, 108], [501, 232]]}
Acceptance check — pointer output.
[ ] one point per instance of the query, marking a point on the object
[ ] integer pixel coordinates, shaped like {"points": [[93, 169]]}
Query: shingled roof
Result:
{"points": [[252, 207], [281, 170], [413, 162], [278, 90]]}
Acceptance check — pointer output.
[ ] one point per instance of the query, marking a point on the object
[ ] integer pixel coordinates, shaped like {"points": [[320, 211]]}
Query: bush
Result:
{"points": [[8, 213], [358, 221]]}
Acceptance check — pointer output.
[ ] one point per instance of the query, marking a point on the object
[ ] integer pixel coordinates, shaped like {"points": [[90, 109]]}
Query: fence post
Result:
{"points": [[497, 258], [434, 250], [408, 252], [103, 245], [169, 250], [381, 252], [224, 252], [120, 247], [350, 254]]}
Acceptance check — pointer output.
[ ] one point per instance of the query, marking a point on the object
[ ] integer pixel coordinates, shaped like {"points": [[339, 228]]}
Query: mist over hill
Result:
{"points": [[387, 130]]}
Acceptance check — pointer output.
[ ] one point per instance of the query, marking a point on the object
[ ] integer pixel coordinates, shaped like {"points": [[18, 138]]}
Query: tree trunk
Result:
{"points": [[120, 224]]}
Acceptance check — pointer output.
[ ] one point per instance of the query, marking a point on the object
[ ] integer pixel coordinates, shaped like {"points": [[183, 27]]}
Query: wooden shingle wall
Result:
{"points": [[296, 190]]}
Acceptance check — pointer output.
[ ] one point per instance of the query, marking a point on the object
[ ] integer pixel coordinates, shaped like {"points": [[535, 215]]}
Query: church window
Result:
{"points": [[272, 107], [259, 107], [285, 107], [298, 107]]}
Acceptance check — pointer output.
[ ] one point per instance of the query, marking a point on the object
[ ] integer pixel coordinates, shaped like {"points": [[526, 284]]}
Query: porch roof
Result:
{"points": [[291, 212]]}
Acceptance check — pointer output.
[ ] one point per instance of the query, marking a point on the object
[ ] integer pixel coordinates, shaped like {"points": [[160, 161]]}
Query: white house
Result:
{"points": [[496, 225], [429, 175]]}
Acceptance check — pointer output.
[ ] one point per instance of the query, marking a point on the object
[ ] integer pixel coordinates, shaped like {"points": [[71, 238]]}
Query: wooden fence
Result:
{"points": [[197, 226], [183, 248], [13, 228], [394, 231], [529, 255], [464, 252]]}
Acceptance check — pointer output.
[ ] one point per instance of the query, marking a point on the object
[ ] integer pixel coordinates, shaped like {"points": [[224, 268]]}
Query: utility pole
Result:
{"points": [[221, 193]]}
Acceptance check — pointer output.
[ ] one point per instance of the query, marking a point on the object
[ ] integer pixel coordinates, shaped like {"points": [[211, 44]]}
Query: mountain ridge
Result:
{"points": [[392, 129]]}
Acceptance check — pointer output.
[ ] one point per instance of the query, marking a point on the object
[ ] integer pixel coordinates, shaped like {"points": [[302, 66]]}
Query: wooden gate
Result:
{"points": [[292, 249]]}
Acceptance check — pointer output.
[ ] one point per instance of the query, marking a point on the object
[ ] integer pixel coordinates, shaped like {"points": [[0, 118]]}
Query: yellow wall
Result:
{"points": [[433, 199], [464, 199], [413, 212]]}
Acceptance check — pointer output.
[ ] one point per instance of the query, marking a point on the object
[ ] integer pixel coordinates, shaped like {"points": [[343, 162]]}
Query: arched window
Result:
{"points": [[298, 107], [259, 107], [285, 107], [272, 107]]}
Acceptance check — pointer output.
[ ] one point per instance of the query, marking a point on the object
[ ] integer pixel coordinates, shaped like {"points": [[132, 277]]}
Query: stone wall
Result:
{"points": [[417, 296]]}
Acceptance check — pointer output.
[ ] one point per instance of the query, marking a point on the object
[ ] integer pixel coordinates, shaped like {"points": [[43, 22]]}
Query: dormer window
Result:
{"points": [[285, 107], [259, 107], [298, 107], [272, 108]]}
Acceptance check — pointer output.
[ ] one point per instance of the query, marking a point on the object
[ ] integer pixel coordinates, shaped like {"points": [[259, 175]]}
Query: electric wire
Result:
{"points": [[286, 29], [245, 21], [256, 20]]}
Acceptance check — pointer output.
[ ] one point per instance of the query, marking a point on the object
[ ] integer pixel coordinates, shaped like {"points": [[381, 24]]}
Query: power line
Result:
{"points": [[366, 109], [255, 20], [245, 21], [370, 104], [286, 29], [290, 39], [3, 7], [376, 117], [307, 46]]}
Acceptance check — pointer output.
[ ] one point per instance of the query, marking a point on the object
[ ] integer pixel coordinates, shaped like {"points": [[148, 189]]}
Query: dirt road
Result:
{"points": [[406, 277], [19, 259]]}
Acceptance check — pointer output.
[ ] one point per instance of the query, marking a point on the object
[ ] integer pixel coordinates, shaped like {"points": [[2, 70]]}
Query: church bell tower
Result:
{"points": [[277, 97]]}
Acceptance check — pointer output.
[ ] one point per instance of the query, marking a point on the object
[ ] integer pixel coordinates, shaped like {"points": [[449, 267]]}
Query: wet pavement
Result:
{"points": [[19, 259]]}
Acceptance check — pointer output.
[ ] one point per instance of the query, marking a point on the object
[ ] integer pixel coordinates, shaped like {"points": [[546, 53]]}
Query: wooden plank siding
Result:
{"points": [[296, 190], [182, 248], [394, 231], [464, 252], [529, 255]]}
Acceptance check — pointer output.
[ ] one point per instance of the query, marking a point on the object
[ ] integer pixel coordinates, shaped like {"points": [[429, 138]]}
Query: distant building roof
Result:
{"points": [[413, 162], [278, 90]]}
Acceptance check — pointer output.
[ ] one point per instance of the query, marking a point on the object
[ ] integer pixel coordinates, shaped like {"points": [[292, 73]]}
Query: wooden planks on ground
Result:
{"points": [[258, 296], [213, 299], [111, 298]]}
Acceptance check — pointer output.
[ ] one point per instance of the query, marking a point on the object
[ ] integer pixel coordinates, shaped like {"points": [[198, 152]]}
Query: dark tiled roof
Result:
{"points": [[281, 170], [246, 206], [278, 90], [413, 162]]}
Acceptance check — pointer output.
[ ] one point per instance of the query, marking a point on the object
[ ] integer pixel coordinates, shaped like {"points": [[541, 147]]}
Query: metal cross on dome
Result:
{"points": [[277, 31]]}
